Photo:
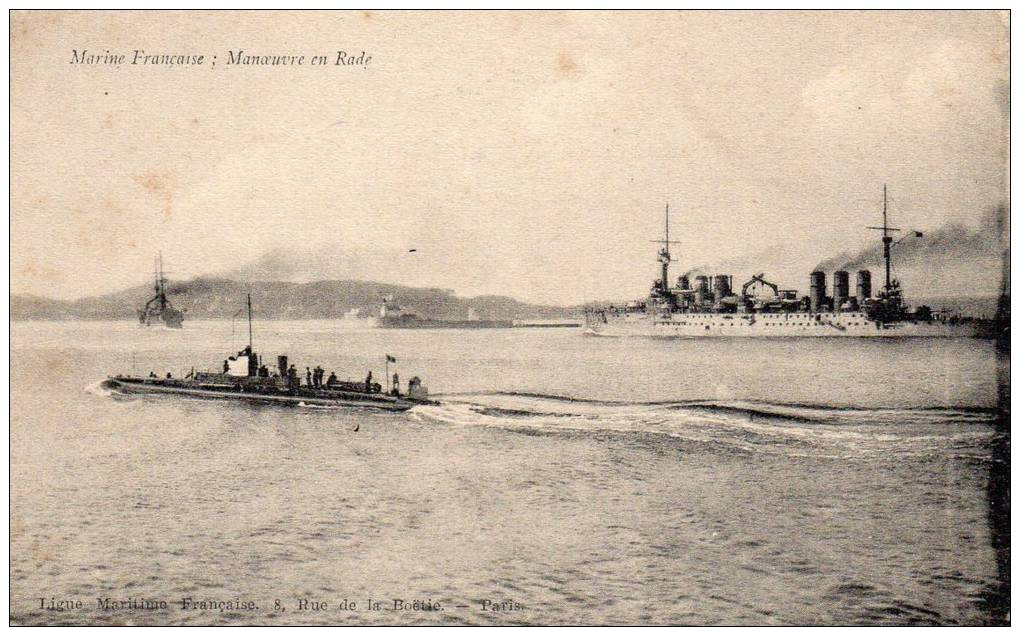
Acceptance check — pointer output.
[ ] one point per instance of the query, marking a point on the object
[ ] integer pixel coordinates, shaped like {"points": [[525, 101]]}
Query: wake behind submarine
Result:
{"points": [[246, 377]]}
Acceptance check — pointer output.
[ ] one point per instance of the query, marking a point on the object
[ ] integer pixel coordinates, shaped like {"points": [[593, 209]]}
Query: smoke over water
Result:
{"points": [[951, 243]]}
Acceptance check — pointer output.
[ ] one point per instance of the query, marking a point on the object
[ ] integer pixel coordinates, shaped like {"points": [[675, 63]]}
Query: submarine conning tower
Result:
{"points": [[840, 289], [863, 286], [817, 290]]}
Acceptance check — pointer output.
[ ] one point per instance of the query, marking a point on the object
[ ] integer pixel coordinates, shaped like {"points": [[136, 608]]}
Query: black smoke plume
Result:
{"points": [[951, 242]]}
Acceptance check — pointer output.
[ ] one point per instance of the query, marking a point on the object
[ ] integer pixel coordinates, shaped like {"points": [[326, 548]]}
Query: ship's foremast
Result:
{"points": [[665, 258]]}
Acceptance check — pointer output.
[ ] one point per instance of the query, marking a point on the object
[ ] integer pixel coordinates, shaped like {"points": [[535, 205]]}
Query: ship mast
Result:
{"points": [[160, 275], [251, 344], [886, 238], [664, 256]]}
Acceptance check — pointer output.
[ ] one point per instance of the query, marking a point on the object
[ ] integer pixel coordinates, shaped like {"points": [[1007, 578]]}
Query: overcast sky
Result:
{"points": [[525, 155]]}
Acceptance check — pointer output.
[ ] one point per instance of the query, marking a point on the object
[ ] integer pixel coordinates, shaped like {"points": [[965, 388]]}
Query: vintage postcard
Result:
{"points": [[520, 317]]}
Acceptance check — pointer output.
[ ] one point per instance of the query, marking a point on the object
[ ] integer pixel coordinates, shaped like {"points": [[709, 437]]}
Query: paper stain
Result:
{"points": [[17, 527], [27, 27], [53, 365], [41, 554], [103, 225], [38, 272], [566, 65], [161, 184], [947, 94]]}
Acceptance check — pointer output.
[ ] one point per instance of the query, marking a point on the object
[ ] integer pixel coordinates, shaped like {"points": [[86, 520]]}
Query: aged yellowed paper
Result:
{"points": [[583, 317]]}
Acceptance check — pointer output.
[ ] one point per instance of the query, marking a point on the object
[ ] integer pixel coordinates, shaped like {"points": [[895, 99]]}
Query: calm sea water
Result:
{"points": [[585, 479]]}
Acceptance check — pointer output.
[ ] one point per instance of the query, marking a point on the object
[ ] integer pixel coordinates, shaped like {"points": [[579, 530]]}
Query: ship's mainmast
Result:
{"points": [[160, 278], [886, 238]]}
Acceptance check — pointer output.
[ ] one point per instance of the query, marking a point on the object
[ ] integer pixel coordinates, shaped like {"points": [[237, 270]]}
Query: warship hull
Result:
{"points": [[322, 398], [796, 324], [425, 323], [169, 317]]}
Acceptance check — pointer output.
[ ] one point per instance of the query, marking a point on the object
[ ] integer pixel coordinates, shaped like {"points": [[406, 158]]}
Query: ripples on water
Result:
{"points": [[591, 480]]}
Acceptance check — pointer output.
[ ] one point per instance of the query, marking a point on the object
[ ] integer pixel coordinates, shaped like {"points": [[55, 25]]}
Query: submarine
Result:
{"points": [[245, 377]]}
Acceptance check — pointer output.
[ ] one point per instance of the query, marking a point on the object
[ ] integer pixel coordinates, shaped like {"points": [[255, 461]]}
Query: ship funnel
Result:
{"points": [[281, 364], [840, 289], [721, 287], [863, 286], [683, 283], [817, 290], [701, 290]]}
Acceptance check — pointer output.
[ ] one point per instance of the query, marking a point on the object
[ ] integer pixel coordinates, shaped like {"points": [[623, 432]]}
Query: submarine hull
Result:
{"points": [[321, 398]]}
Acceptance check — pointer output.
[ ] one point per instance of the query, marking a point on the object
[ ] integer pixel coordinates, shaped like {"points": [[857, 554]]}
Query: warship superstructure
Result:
{"points": [[710, 306], [158, 310]]}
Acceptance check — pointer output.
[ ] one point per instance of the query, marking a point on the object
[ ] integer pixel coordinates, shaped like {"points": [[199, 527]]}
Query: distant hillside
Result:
{"points": [[210, 298]]}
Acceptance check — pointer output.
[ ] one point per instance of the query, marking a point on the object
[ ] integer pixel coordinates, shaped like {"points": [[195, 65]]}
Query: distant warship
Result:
{"points": [[710, 308], [158, 310], [391, 316]]}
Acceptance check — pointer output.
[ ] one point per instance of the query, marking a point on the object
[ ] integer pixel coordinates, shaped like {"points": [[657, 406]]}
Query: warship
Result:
{"points": [[710, 307], [392, 316], [246, 377], [158, 310]]}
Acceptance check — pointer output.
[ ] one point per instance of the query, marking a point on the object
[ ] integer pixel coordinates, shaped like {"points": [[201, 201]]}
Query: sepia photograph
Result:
{"points": [[417, 317]]}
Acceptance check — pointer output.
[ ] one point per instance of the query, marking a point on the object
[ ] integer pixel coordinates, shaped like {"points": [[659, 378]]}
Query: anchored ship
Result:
{"points": [[245, 377], [392, 316], [158, 310], [709, 307]]}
